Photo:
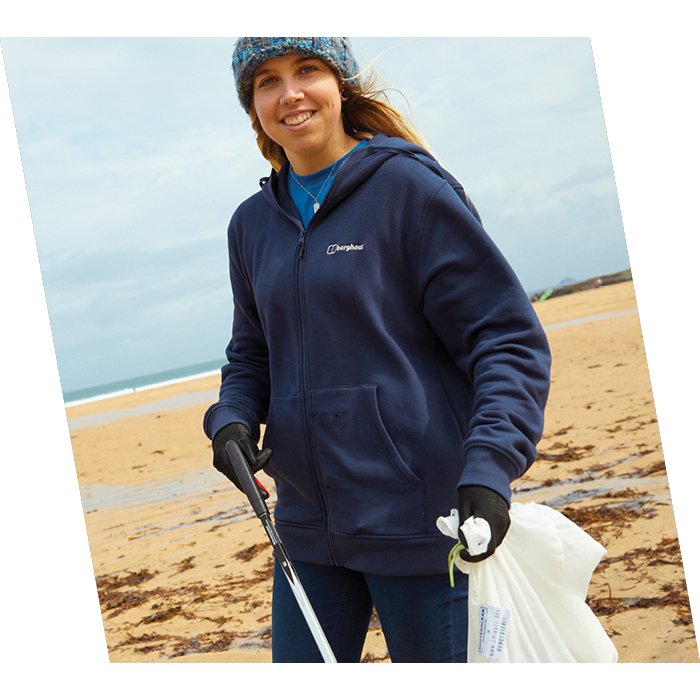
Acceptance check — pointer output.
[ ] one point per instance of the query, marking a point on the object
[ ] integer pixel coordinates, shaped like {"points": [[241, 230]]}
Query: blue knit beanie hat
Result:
{"points": [[251, 51]]}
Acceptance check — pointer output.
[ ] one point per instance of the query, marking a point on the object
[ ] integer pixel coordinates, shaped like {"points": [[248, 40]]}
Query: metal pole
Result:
{"points": [[250, 488]]}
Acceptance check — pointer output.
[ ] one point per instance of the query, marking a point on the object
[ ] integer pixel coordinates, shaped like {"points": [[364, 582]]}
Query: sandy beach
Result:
{"points": [[183, 567]]}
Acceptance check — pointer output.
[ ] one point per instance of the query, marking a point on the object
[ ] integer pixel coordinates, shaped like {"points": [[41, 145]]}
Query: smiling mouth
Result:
{"points": [[297, 119]]}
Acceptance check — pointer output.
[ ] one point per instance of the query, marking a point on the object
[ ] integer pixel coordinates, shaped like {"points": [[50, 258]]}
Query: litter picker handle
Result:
{"points": [[246, 479]]}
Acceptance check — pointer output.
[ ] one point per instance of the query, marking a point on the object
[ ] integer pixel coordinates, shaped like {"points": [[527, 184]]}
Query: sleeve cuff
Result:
{"points": [[220, 416], [489, 468]]}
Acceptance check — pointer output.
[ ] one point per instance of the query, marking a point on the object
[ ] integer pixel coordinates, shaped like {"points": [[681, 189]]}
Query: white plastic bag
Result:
{"points": [[527, 601]]}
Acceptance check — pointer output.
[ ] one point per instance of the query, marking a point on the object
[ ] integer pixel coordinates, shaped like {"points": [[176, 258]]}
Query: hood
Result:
{"points": [[365, 161]]}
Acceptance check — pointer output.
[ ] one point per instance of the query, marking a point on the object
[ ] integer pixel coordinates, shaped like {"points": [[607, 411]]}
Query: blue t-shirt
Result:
{"points": [[317, 184]]}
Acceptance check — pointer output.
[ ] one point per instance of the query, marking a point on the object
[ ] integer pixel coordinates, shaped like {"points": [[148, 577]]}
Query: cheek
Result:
{"points": [[334, 97], [332, 103], [326, 93], [265, 112]]}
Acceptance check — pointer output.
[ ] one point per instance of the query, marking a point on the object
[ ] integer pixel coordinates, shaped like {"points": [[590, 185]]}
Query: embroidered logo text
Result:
{"points": [[337, 248]]}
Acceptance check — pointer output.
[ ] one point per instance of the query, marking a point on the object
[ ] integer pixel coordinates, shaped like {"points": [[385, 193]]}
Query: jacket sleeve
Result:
{"points": [[479, 310], [245, 384]]}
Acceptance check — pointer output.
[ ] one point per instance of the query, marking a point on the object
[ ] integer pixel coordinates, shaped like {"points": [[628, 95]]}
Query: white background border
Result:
{"points": [[646, 57]]}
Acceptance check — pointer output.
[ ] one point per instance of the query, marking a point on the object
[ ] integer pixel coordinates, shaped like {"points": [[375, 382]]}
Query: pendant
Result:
{"points": [[317, 206]]}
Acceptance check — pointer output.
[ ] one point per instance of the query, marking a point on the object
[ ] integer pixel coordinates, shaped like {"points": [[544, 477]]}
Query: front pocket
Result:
{"points": [[369, 487], [298, 500]]}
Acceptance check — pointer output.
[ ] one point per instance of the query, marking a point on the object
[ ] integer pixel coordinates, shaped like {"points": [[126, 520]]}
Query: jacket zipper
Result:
{"points": [[306, 399], [308, 423]]}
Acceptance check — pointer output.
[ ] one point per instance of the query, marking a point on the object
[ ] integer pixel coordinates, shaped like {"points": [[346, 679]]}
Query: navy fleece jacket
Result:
{"points": [[391, 353]]}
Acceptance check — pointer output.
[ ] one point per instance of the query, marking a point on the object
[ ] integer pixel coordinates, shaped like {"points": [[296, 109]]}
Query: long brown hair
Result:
{"points": [[365, 112]]}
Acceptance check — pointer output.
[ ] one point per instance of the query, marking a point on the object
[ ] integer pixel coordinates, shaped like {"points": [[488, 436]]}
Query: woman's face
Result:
{"points": [[297, 100]]}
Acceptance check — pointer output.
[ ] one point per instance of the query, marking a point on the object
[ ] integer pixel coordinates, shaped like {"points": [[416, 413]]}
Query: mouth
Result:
{"points": [[297, 119]]}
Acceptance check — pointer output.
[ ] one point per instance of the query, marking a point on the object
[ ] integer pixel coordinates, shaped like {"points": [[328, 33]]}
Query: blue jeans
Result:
{"points": [[423, 619]]}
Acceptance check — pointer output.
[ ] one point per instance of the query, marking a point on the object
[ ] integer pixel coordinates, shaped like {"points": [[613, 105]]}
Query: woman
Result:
{"points": [[388, 348]]}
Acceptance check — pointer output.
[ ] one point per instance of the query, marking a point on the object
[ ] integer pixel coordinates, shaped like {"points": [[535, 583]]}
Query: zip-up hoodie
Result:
{"points": [[391, 353]]}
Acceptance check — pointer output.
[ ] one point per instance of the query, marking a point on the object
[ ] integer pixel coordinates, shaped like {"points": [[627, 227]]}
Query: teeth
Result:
{"points": [[297, 119]]}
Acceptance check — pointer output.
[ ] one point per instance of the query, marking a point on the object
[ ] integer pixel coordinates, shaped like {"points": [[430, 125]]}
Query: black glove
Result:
{"points": [[482, 502], [257, 459]]}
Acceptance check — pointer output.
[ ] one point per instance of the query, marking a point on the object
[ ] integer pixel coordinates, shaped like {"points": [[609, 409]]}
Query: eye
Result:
{"points": [[308, 68], [266, 81]]}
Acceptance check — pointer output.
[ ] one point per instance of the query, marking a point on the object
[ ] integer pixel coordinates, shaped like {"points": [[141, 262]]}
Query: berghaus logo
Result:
{"points": [[338, 248]]}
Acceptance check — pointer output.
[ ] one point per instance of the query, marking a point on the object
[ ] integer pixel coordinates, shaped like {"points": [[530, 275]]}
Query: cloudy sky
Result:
{"points": [[135, 153]]}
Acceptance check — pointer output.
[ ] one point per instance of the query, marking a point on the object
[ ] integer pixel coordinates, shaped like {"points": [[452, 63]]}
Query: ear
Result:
{"points": [[344, 97]]}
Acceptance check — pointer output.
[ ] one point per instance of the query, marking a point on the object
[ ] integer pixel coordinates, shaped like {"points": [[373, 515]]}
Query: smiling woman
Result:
{"points": [[388, 348], [298, 102]]}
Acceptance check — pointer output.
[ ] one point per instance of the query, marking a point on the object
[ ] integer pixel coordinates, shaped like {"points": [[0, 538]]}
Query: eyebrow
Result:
{"points": [[301, 59]]}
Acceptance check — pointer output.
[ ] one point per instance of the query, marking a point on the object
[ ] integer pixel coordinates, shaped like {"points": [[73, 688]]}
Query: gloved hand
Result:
{"points": [[482, 502], [257, 459]]}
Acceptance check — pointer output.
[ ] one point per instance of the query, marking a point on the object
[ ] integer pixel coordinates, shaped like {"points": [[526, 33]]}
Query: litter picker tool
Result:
{"points": [[250, 488]]}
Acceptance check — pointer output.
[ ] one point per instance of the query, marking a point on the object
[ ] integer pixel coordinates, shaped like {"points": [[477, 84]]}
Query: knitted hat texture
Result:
{"points": [[251, 51]]}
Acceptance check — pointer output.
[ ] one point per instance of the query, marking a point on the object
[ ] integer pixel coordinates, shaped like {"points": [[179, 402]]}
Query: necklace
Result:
{"points": [[316, 205]]}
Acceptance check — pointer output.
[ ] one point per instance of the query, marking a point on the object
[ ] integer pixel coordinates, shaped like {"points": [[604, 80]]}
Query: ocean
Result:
{"points": [[147, 381]]}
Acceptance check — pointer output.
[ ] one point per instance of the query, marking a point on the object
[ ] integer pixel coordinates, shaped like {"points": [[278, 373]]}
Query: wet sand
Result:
{"points": [[183, 567]]}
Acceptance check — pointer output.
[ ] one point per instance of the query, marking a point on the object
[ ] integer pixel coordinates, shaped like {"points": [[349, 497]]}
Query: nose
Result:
{"points": [[291, 93]]}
